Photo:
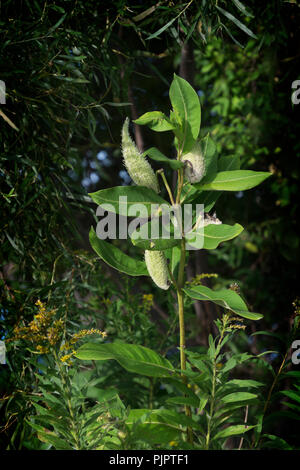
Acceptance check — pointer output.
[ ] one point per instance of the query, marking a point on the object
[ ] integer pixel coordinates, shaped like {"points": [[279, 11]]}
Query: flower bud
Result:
{"points": [[194, 164], [157, 267], [138, 167]]}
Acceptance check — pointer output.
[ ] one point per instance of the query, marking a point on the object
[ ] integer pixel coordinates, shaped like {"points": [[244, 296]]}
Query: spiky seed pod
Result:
{"points": [[194, 164], [137, 166], [156, 263]]}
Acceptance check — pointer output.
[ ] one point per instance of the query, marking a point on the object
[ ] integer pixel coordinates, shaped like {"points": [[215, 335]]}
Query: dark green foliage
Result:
{"points": [[72, 71]]}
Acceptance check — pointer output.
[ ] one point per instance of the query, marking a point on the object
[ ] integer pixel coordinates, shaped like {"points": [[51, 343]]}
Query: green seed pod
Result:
{"points": [[157, 267], [195, 164], [137, 166]]}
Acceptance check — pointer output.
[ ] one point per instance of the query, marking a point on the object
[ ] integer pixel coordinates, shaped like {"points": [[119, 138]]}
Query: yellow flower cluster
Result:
{"points": [[43, 331], [296, 305], [173, 444], [147, 301], [69, 345], [231, 325], [197, 280]]}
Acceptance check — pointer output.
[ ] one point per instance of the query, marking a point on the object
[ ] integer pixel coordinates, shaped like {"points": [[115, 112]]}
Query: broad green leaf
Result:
{"points": [[159, 426], [229, 163], [186, 105], [116, 258], [244, 383], [226, 298], [209, 150], [214, 234], [133, 358], [237, 22], [238, 396], [156, 155], [236, 180], [153, 429], [155, 120], [130, 196], [232, 431]]}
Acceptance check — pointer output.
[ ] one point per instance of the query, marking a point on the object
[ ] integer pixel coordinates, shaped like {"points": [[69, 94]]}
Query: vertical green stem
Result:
{"points": [[214, 381], [67, 389], [212, 405], [180, 283], [180, 297]]}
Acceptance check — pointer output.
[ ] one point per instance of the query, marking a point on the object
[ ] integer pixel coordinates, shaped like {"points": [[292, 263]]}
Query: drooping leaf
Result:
{"points": [[236, 180], [162, 29], [50, 437], [244, 383], [158, 156], [232, 431], [226, 298], [115, 258], [121, 199], [238, 396], [155, 120], [133, 358], [214, 234], [237, 22]]}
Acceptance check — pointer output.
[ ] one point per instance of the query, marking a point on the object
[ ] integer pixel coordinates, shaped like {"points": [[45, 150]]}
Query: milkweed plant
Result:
{"points": [[207, 407]]}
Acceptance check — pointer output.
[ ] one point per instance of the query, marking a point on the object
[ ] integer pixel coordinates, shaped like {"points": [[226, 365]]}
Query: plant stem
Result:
{"points": [[162, 174], [213, 388], [212, 405], [180, 297], [274, 382]]}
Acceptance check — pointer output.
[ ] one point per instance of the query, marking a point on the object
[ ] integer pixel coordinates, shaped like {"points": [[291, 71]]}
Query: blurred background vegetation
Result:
{"points": [[73, 71]]}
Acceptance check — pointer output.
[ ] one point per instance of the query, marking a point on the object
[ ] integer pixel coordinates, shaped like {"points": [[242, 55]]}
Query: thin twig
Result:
{"points": [[245, 421]]}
